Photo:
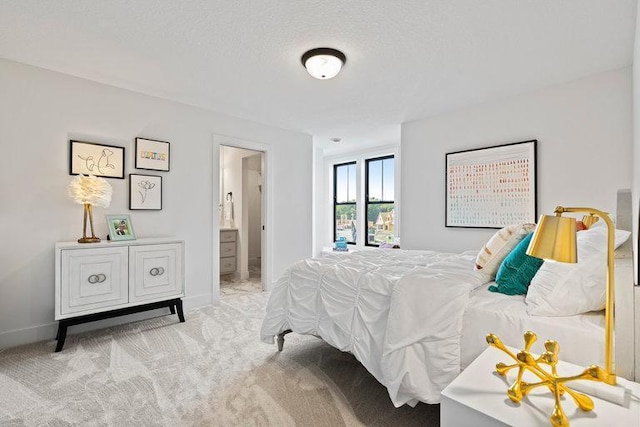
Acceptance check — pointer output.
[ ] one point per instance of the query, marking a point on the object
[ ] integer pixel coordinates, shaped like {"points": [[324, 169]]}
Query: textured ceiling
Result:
{"points": [[406, 59]]}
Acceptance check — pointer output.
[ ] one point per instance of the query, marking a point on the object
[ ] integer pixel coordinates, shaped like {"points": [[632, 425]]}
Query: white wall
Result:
{"points": [[41, 110], [231, 163], [584, 156], [254, 197], [636, 151], [636, 188]]}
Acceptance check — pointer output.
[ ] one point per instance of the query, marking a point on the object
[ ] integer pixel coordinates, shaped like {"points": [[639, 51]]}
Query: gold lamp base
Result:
{"points": [[93, 239], [525, 361], [88, 213]]}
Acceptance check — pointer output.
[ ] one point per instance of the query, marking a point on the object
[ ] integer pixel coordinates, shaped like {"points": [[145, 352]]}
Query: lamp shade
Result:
{"points": [[90, 189], [555, 239], [324, 62], [589, 220]]}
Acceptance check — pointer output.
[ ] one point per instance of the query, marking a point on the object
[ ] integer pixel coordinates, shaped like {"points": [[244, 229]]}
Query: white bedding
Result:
{"points": [[581, 337], [399, 312]]}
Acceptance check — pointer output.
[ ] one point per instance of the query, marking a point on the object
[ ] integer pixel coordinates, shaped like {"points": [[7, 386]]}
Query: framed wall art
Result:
{"points": [[152, 155], [145, 192], [491, 187], [88, 158], [120, 227]]}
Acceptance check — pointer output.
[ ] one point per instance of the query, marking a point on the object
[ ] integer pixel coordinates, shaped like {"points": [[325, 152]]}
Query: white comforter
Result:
{"points": [[398, 312]]}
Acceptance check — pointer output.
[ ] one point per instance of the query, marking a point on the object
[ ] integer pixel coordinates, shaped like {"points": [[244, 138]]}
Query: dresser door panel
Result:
{"points": [[227, 249], [93, 279], [155, 272], [227, 236], [227, 265]]}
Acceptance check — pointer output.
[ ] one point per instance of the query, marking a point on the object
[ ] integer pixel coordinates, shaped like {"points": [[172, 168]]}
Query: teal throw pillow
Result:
{"points": [[517, 270]]}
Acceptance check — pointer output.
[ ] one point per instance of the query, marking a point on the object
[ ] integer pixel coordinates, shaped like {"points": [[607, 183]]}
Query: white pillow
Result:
{"points": [[498, 247], [561, 289]]}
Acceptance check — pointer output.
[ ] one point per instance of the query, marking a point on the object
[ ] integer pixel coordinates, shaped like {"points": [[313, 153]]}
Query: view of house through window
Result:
{"points": [[344, 202], [379, 200], [377, 223]]}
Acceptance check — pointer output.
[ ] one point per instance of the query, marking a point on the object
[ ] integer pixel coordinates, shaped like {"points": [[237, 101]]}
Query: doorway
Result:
{"points": [[241, 220]]}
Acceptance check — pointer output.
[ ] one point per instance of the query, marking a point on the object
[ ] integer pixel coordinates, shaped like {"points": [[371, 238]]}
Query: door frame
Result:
{"points": [[267, 238]]}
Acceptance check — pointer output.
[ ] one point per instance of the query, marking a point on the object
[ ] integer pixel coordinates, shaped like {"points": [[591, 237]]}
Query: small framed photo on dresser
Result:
{"points": [[145, 192], [152, 155], [120, 227]]}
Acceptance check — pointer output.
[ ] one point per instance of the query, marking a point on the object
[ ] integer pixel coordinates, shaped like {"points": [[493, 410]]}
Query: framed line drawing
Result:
{"points": [[491, 187], [152, 155], [145, 192], [120, 227], [88, 158]]}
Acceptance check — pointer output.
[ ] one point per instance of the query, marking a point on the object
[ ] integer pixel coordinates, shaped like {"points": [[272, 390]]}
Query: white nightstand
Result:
{"points": [[477, 397]]}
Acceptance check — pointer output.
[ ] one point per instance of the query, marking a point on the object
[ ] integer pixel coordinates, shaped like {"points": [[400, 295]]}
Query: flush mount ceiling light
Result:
{"points": [[323, 62]]}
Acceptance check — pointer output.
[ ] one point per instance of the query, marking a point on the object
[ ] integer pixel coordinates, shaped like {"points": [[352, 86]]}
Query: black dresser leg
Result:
{"points": [[61, 336], [179, 308], [172, 307]]}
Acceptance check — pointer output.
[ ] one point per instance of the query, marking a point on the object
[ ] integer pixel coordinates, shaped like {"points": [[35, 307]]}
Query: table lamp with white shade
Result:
{"points": [[89, 191]]}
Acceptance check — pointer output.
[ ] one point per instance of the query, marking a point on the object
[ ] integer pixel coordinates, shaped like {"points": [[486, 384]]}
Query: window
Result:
{"points": [[361, 198], [379, 200], [344, 202]]}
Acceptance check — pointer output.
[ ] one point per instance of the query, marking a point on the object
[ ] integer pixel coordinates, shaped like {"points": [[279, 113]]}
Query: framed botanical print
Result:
{"points": [[145, 192], [152, 155], [88, 158], [491, 187]]}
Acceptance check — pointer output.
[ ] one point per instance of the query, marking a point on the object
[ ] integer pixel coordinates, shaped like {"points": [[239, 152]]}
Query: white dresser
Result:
{"points": [[97, 281], [228, 250]]}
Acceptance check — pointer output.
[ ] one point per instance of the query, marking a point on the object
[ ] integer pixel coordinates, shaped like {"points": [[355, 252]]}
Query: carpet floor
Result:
{"points": [[211, 370], [230, 285]]}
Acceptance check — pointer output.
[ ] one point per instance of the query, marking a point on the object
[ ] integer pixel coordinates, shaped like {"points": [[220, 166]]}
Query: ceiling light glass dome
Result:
{"points": [[323, 63]]}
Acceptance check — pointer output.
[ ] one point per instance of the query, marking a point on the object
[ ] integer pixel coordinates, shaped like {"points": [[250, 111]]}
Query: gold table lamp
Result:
{"points": [[89, 191], [555, 239]]}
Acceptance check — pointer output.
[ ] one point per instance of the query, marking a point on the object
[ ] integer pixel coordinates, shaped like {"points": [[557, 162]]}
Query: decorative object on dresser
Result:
{"points": [[491, 187], [89, 191], [555, 239], [116, 278], [96, 159], [145, 192], [152, 155], [228, 250], [120, 227]]}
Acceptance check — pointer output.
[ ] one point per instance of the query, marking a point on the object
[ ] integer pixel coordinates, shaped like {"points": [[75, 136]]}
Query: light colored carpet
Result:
{"points": [[232, 286], [211, 370]]}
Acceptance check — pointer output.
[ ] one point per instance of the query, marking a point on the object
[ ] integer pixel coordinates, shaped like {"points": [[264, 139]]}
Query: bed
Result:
{"points": [[415, 319]]}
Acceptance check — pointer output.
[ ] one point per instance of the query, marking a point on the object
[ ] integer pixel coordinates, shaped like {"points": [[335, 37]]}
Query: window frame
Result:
{"points": [[367, 202], [335, 197]]}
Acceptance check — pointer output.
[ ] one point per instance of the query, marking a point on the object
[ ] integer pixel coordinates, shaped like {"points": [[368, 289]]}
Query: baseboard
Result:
{"points": [[47, 332], [29, 335]]}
